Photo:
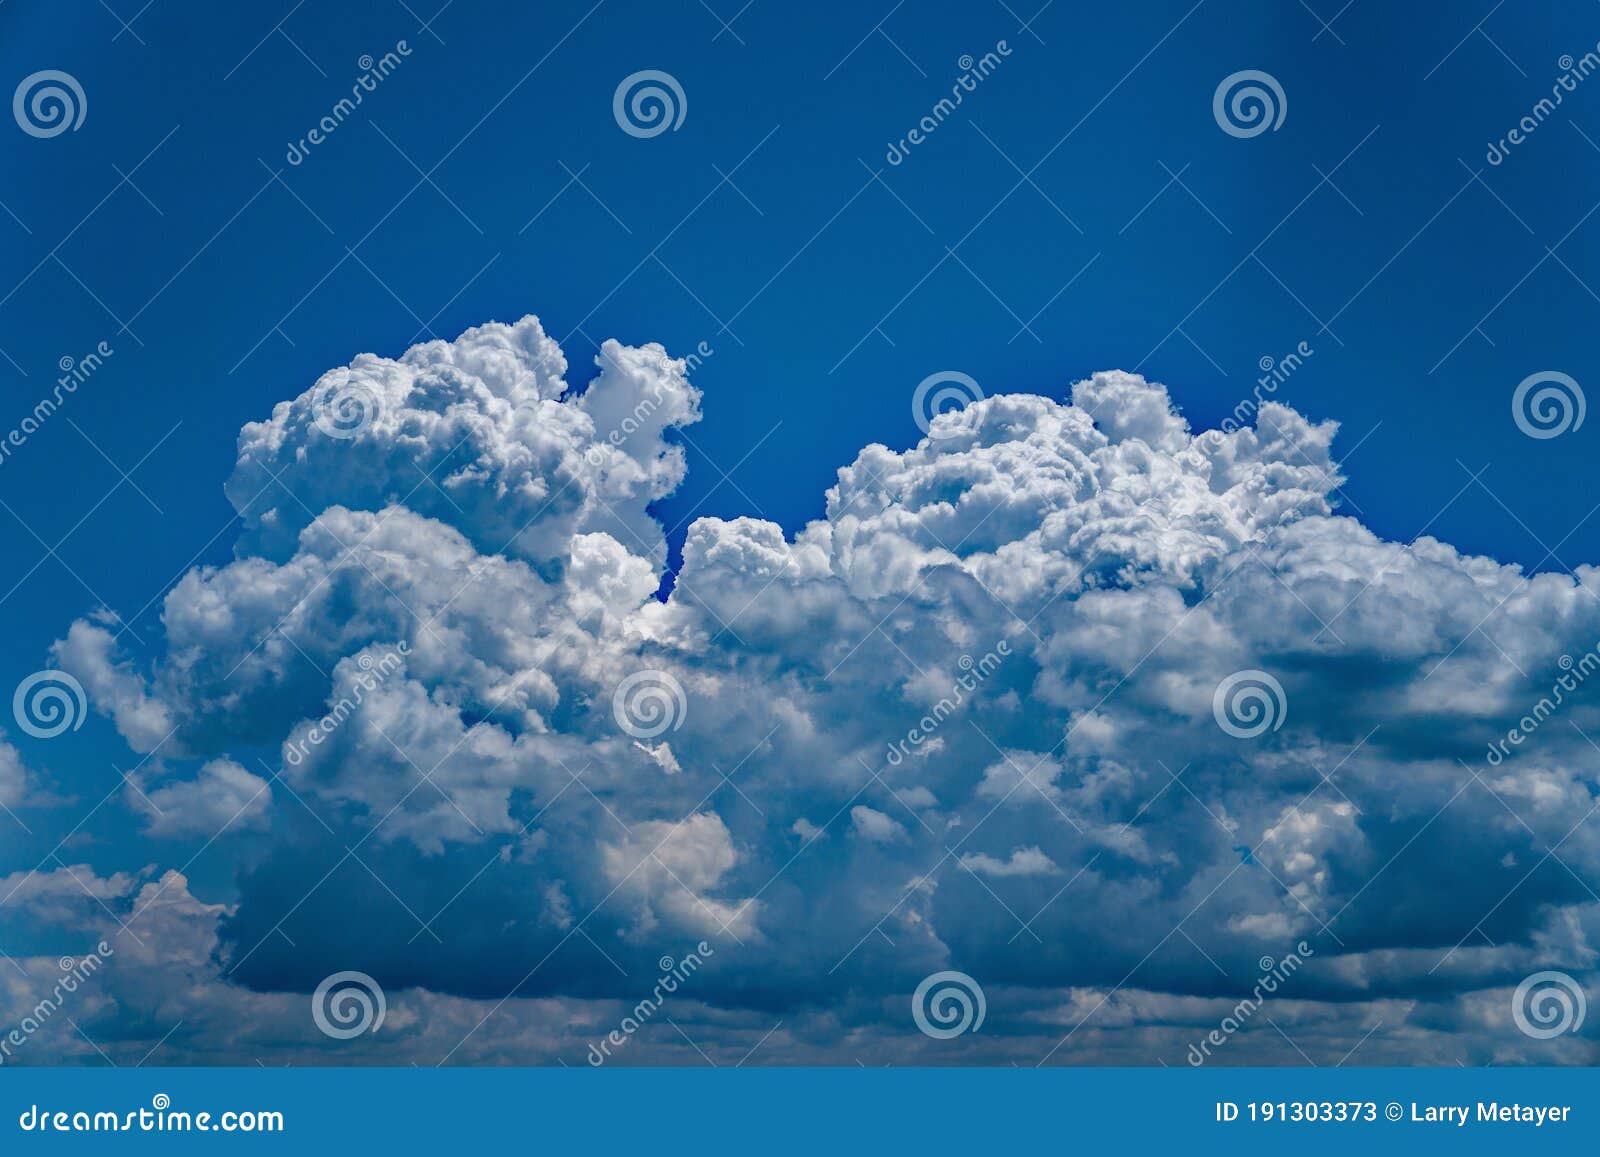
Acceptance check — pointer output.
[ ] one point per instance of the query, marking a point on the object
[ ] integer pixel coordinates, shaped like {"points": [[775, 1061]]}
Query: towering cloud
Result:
{"points": [[1094, 708]]}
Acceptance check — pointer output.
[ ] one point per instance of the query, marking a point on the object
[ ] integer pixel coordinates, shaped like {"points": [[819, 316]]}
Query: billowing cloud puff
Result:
{"points": [[480, 432], [15, 782], [1111, 715], [1022, 862], [221, 797]]}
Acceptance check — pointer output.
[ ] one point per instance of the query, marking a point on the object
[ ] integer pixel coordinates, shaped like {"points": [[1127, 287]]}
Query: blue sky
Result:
{"points": [[1081, 211]]}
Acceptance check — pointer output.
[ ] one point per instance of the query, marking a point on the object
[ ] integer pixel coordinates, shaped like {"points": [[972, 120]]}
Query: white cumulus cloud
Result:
{"points": [[432, 605]]}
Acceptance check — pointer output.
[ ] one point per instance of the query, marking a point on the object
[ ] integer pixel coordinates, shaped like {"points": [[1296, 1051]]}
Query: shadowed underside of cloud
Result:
{"points": [[969, 719]]}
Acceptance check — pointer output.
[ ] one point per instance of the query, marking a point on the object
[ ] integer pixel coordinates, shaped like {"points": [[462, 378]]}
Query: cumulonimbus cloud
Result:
{"points": [[966, 719]]}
